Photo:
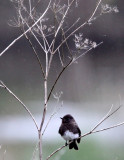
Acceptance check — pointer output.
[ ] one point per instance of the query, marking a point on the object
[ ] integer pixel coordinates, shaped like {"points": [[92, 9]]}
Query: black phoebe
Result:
{"points": [[70, 131]]}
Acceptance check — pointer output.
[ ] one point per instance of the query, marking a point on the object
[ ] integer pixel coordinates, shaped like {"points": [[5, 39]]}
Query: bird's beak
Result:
{"points": [[61, 118]]}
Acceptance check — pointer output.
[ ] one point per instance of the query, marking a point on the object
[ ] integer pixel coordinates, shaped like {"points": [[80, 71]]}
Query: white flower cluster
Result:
{"points": [[108, 9], [44, 27], [83, 43], [15, 22]]}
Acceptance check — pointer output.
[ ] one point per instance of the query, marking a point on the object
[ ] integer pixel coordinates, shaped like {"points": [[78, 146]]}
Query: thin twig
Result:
{"points": [[24, 106], [35, 6], [106, 117], [48, 122], [63, 33], [72, 25], [38, 59], [95, 10], [55, 152], [117, 125], [103, 119]]}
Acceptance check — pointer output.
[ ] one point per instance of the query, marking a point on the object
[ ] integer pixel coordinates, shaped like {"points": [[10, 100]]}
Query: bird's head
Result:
{"points": [[67, 119]]}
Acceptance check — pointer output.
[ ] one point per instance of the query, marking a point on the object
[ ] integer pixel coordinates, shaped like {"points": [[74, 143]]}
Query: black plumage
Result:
{"points": [[70, 131]]}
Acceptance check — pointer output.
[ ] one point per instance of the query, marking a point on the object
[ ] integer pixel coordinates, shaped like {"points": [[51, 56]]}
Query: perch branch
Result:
{"points": [[93, 130]]}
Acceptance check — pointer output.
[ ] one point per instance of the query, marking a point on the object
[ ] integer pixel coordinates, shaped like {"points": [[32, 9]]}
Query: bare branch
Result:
{"points": [[24, 106], [29, 29]]}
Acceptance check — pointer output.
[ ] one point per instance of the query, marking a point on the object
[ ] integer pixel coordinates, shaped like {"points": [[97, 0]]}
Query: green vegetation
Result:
{"points": [[89, 149]]}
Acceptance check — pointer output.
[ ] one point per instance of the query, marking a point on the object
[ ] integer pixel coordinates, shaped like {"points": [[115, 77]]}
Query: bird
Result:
{"points": [[70, 131]]}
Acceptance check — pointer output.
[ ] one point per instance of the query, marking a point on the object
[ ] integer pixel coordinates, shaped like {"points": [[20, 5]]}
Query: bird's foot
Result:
{"points": [[66, 144]]}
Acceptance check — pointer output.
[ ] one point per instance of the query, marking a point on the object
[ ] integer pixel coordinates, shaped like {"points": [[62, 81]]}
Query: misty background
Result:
{"points": [[89, 87]]}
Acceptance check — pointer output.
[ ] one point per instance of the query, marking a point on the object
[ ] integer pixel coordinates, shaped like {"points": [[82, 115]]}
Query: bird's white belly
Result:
{"points": [[70, 136]]}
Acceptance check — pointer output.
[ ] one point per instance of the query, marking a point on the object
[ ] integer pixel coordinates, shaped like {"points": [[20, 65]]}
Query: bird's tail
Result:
{"points": [[73, 145]]}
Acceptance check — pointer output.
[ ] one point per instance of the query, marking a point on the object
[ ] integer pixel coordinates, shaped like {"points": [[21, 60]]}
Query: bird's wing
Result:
{"points": [[62, 130]]}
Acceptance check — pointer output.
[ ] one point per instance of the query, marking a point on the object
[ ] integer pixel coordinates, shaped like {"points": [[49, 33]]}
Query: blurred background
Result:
{"points": [[89, 89]]}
